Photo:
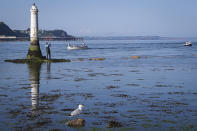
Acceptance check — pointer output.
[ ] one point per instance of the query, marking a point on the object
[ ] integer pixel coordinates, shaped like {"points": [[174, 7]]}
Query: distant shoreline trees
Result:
{"points": [[6, 33]]}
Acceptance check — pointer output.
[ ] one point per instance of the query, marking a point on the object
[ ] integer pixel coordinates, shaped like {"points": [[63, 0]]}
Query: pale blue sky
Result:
{"points": [[106, 17]]}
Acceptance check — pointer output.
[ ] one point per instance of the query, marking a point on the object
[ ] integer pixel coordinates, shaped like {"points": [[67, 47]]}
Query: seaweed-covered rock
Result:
{"points": [[113, 124], [80, 59], [100, 58], [112, 87], [135, 57], [76, 123], [36, 60], [34, 50]]}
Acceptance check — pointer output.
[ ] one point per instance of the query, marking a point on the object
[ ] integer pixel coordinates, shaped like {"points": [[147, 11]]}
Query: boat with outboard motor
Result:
{"points": [[188, 43], [77, 47]]}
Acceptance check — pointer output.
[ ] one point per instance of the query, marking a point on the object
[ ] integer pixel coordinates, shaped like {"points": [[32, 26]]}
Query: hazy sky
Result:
{"points": [[106, 17]]}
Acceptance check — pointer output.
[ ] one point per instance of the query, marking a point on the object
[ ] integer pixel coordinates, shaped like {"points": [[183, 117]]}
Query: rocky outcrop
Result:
{"points": [[96, 58], [76, 123], [113, 124], [37, 60], [135, 57]]}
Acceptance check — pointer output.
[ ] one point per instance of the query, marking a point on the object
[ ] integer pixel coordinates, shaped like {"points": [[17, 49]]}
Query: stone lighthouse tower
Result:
{"points": [[34, 49]]}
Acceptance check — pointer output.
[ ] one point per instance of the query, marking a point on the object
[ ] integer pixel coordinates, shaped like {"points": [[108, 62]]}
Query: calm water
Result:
{"points": [[156, 92]]}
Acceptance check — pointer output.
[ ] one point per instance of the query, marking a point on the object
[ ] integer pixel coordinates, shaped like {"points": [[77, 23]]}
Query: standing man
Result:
{"points": [[47, 45]]}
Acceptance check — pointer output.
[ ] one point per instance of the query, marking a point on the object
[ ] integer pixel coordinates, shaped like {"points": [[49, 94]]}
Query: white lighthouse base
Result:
{"points": [[34, 50]]}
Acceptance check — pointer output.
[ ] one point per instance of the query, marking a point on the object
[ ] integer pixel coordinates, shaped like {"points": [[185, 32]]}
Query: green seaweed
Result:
{"points": [[36, 60], [127, 129], [54, 130], [169, 121], [172, 128], [96, 129], [146, 125]]}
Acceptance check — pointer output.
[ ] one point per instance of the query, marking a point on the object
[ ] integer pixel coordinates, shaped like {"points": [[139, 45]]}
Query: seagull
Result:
{"points": [[77, 111]]}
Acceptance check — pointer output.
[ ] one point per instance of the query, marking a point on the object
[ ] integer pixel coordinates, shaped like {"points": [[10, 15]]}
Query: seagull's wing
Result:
{"points": [[75, 112]]}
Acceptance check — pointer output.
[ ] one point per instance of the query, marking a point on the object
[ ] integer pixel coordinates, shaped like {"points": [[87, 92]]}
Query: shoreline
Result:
{"points": [[94, 38], [42, 39]]}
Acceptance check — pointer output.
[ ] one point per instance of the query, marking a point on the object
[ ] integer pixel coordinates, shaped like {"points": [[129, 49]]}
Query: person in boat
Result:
{"points": [[83, 44], [69, 44], [187, 43], [76, 46], [47, 46]]}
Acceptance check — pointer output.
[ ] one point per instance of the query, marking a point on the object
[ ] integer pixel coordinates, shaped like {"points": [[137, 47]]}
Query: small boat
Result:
{"points": [[187, 43], [77, 47]]}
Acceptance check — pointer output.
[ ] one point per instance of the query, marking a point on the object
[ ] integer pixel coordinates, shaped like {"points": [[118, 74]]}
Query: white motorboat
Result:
{"points": [[77, 47], [187, 43]]}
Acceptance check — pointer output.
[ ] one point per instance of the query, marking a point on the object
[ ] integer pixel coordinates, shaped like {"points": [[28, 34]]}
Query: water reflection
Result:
{"points": [[48, 70], [34, 71]]}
